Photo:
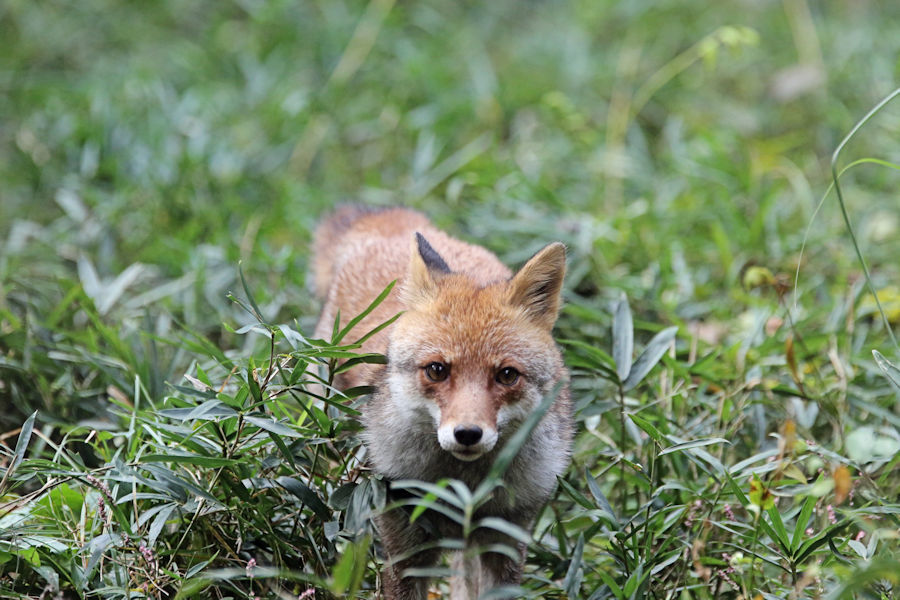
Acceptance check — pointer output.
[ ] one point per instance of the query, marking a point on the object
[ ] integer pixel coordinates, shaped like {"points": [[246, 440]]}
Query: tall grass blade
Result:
{"points": [[840, 196]]}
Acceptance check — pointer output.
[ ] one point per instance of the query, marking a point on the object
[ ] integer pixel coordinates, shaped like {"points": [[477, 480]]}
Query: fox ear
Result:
{"points": [[425, 266], [537, 286]]}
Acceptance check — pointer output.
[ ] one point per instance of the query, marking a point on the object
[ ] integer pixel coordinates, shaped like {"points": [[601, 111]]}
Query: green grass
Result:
{"points": [[148, 150]]}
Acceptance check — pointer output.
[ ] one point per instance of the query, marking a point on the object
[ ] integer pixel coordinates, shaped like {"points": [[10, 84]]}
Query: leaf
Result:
{"points": [[273, 426], [648, 427], [340, 498], [760, 494], [738, 492], [255, 391], [611, 583], [858, 548], [596, 358], [207, 411], [649, 357], [778, 526], [575, 494], [158, 523], [50, 574], [890, 369], [572, 582], [802, 521], [355, 320], [370, 359], [19, 453], [504, 527], [348, 574], [811, 545], [431, 491], [22, 442], [504, 592], [737, 468], [598, 495], [306, 495], [293, 338], [673, 556], [283, 448], [190, 459], [378, 328], [256, 311], [635, 580], [623, 338], [693, 444], [178, 486]]}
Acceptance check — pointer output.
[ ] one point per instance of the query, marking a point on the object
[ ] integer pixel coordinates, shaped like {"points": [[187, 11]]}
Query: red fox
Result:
{"points": [[468, 360]]}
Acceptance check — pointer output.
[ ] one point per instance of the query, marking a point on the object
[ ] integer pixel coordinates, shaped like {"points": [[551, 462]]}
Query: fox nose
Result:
{"points": [[467, 435]]}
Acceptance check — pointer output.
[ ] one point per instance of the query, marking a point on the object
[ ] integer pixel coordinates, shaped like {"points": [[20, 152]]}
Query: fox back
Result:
{"points": [[470, 358]]}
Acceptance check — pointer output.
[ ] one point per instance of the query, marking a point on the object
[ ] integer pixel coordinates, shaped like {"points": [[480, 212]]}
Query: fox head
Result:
{"points": [[471, 361]]}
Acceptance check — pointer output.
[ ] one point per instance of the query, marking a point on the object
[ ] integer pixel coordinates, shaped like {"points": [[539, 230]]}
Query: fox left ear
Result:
{"points": [[425, 266], [537, 286]]}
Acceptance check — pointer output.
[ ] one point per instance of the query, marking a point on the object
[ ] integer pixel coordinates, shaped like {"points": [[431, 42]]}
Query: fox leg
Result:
{"points": [[499, 569], [475, 574], [466, 581], [402, 542]]}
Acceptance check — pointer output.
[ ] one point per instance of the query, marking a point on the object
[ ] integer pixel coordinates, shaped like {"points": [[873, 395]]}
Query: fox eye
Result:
{"points": [[507, 376], [436, 371]]}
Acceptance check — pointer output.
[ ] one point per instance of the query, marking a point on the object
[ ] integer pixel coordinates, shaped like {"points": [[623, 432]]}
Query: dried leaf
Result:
{"points": [[842, 484]]}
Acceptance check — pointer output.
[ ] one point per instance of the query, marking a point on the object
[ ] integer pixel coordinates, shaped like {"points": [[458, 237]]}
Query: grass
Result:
{"points": [[163, 166]]}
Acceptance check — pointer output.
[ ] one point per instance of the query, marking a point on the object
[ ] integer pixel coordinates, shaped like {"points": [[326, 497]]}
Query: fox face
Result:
{"points": [[469, 362]]}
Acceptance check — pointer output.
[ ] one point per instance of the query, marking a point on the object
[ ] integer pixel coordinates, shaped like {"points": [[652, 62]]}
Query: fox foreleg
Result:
{"points": [[404, 548], [476, 574]]}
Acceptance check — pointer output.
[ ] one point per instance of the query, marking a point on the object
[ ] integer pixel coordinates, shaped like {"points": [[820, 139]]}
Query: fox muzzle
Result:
{"points": [[467, 441]]}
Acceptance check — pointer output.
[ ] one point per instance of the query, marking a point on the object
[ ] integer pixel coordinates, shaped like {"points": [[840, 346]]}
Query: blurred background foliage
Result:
{"points": [[668, 143], [146, 149]]}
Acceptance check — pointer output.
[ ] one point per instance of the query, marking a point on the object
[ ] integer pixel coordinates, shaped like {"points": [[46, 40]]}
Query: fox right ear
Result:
{"points": [[538, 285], [425, 265]]}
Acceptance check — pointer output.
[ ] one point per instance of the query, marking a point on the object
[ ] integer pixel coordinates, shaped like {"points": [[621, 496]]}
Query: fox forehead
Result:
{"points": [[470, 326]]}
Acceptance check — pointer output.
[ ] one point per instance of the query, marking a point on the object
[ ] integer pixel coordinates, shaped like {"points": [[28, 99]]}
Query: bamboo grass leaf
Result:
{"points": [[649, 357], [623, 338]]}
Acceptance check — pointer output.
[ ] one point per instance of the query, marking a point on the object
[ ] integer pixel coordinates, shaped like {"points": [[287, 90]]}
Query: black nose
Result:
{"points": [[467, 435]]}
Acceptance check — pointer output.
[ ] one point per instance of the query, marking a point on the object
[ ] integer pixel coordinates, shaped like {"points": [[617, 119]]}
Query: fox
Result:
{"points": [[470, 357]]}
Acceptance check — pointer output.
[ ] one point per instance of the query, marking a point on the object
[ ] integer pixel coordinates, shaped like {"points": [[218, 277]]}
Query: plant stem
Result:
{"points": [[752, 546], [623, 491]]}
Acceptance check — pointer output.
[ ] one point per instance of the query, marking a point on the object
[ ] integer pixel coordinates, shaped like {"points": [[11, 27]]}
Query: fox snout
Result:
{"points": [[467, 441]]}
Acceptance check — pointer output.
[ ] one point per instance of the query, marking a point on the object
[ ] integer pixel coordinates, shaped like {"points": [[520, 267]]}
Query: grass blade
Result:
{"points": [[802, 520], [889, 368], [355, 320], [623, 338], [840, 196], [649, 357], [693, 444], [22, 442], [19, 453]]}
